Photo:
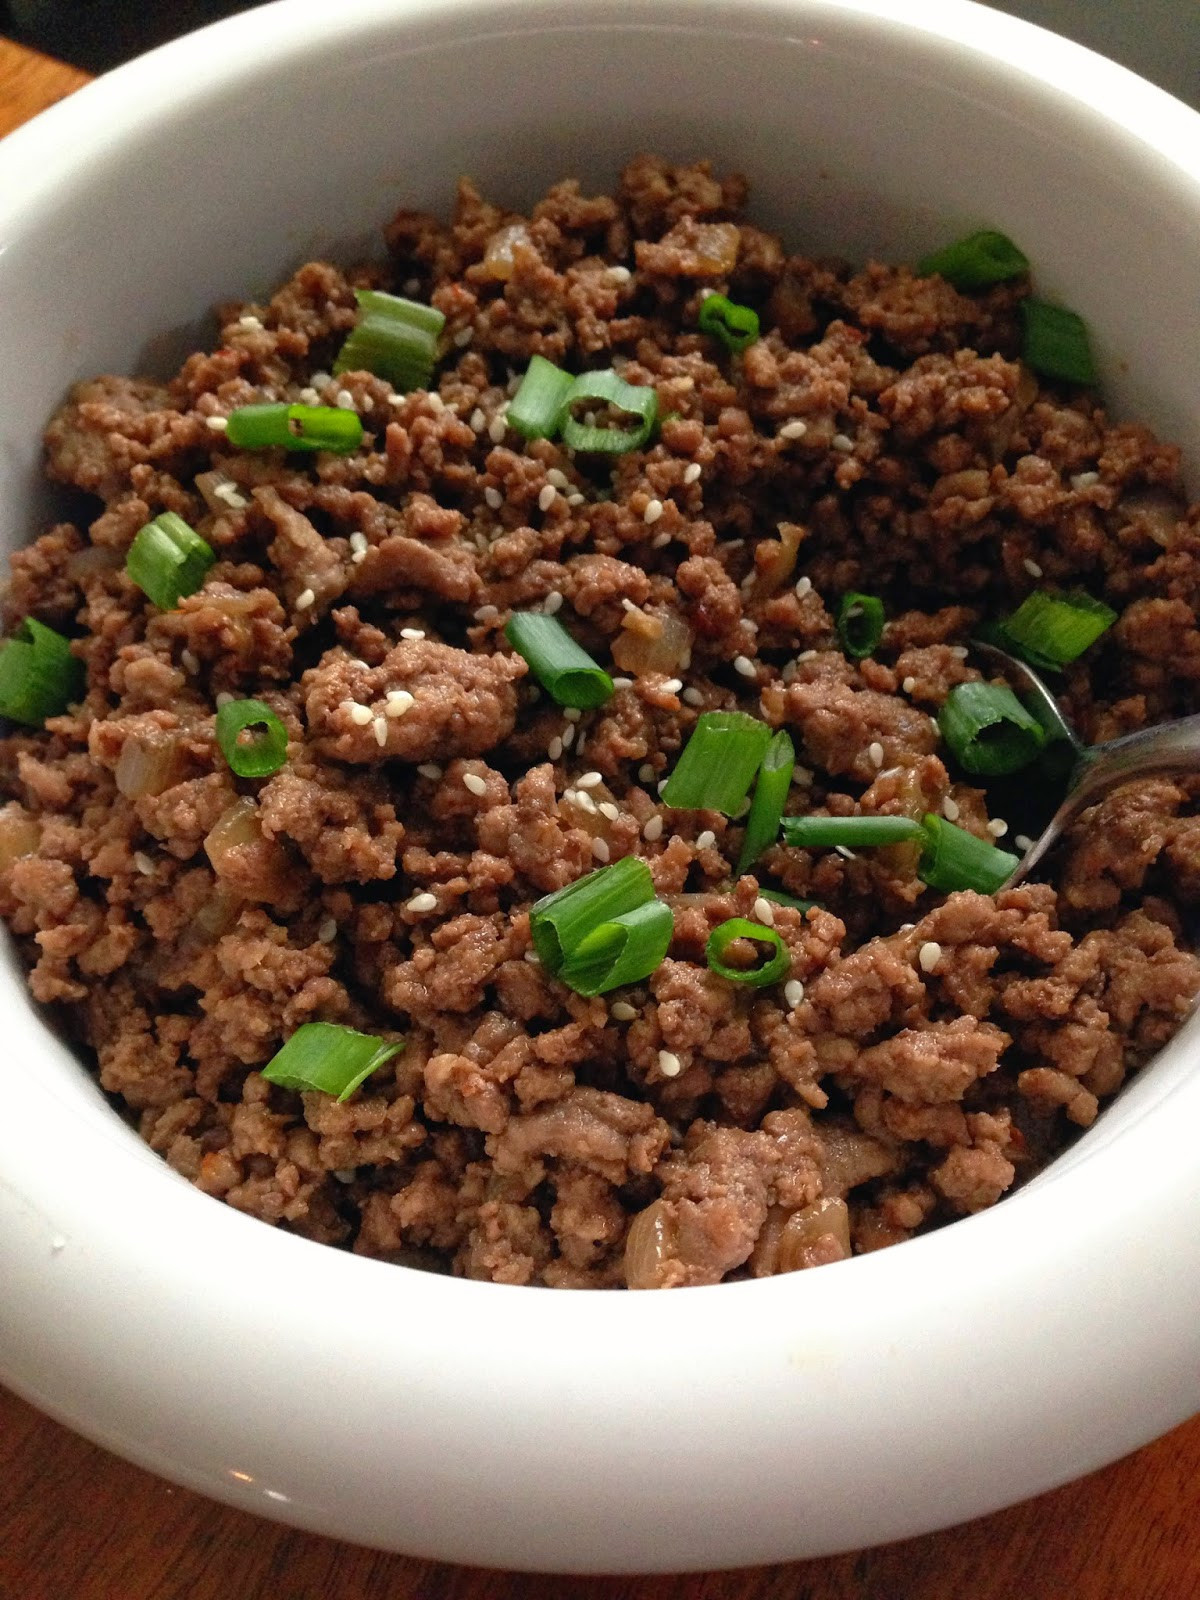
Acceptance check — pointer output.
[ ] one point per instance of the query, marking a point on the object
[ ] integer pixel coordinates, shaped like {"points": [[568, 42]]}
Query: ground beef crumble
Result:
{"points": [[926, 1054]]}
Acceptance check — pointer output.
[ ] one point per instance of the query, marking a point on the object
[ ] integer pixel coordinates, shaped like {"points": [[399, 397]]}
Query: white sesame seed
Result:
{"points": [[589, 780], [745, 666], [431, 770], [802, 777], [358, 541], [959, 652], [581, 798], [579, 743], [661, 540], [607, 809], [486, 614], [653, 511], [473, 782], [706, 840], [398, 702], [552, 604], [627, 604], [305, 599], [463, 337], [558, 478], [691, 472], [661, 785], [843, 850], [620, 274], [555, 748], [309, 396], [1032, 568], [764, 911], [807, 655], [497, 428], [412, 633], [379, 729], [842, 442], [358, 556], [600, 849], [532, 957], [1085, 480], [228, 492], [672, 685], [422, 902], [547, 497], [344, 400], [622, 683], [360, 715], [493, 497], [436, 403], [669, 1064], [622, 1011], [997, 827], [327, 932], [217, 424], [571, 713], [189, 661], [796, 429], [223, 699], [793, 992], [568, 736], [645, 773], [875, 754], [575, 498], [909, 684], [478, 421], [950, 809], [142, 862], [652, 830], [693, 696], [929, 955], [803, 587], [320, 379], [1023, 842]]}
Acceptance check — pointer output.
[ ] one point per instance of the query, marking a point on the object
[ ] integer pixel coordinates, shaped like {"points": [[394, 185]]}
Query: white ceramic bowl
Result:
{"points": [[793, 1416]]}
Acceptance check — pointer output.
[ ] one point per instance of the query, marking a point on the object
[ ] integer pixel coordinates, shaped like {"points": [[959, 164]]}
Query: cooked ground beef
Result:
{"points": [[926, 1053]]}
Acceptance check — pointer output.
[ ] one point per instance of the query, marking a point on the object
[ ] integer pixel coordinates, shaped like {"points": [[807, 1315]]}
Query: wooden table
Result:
{"points": [[77, 1524]]}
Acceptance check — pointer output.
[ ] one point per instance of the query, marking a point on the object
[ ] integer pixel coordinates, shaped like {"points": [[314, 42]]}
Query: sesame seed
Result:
{"points": [[929, 955], [305, 599], [661, 540], [532, 957], [360, 715], [422, 902], [875, 753], [497, 428], [950, 809], [327, 932], [358, 557], [431, 770], [412, 633], [620, 274], [309, 396], [558, 478], [575, 498], [842, 850], [571, 713], [627, 604], [486, 614], [589, 780], [691, 472], [493, 497], [672, 685], [478, 420], [552, 604], [745, 666], [1085, 480], [802, 777], [358, 541], [997, 827], [1032, 568], [547, 497], [463, 337], [568, 736], [796, 429], [229, 494], [693, 696], [344, 400], [1023, 842], [583, 800], [622, 683], [398, 702], [579, 743], [600, 849], [436, 403], [653, 511], [807, 655], [473, 782], [959, 652], [652, 830], [764, 911], [706, 840], [622, 1011], [842, 442], [661, 785], [379, 729], [803, 587], [793, 992], [909, 684], [189, 661], [142, 862], [607, 809], [217, 424], [320, 379], [645, 773], [224, 698], [669, 1064], [555, 748]]}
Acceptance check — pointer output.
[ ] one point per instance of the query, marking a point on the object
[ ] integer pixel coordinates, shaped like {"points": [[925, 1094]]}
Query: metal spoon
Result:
{"points": [[1168, 747]]}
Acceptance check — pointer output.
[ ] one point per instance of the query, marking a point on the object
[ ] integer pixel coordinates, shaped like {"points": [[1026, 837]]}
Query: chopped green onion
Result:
{"points": [[1052, 630], [724, 935], [536, 409], [622, 949], [815, 832], [329, 1058], [988, 729], [394, 338], [263, 754], [860, 624], [736, 326], [955, 859], [770, 797], [295, 427], [718, 763], [39, 677], [560, 665], [1056, 342], [168, 560], [560, 922], [783, 899], [606, 387], [976, 261]]}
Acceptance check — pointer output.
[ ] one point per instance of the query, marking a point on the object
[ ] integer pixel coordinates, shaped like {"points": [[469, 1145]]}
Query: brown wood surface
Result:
{"points": [[77, 1524]]}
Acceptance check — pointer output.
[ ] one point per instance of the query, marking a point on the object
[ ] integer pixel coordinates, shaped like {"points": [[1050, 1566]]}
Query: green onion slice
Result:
{"points": [[560, 665], [394, 338], [536, 409], [781, 898], [1056, 342], [736, 326], [623, 949], [265, 752], [724, 934], [988, 729], [976, 261], [955, 859], [560, 922], [770, 797], [606, 387], [860, 624], [1052, 630], [295, 427], [718, 763], [168, 560], [329, 1058], [815, 832], [39, 677]]}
